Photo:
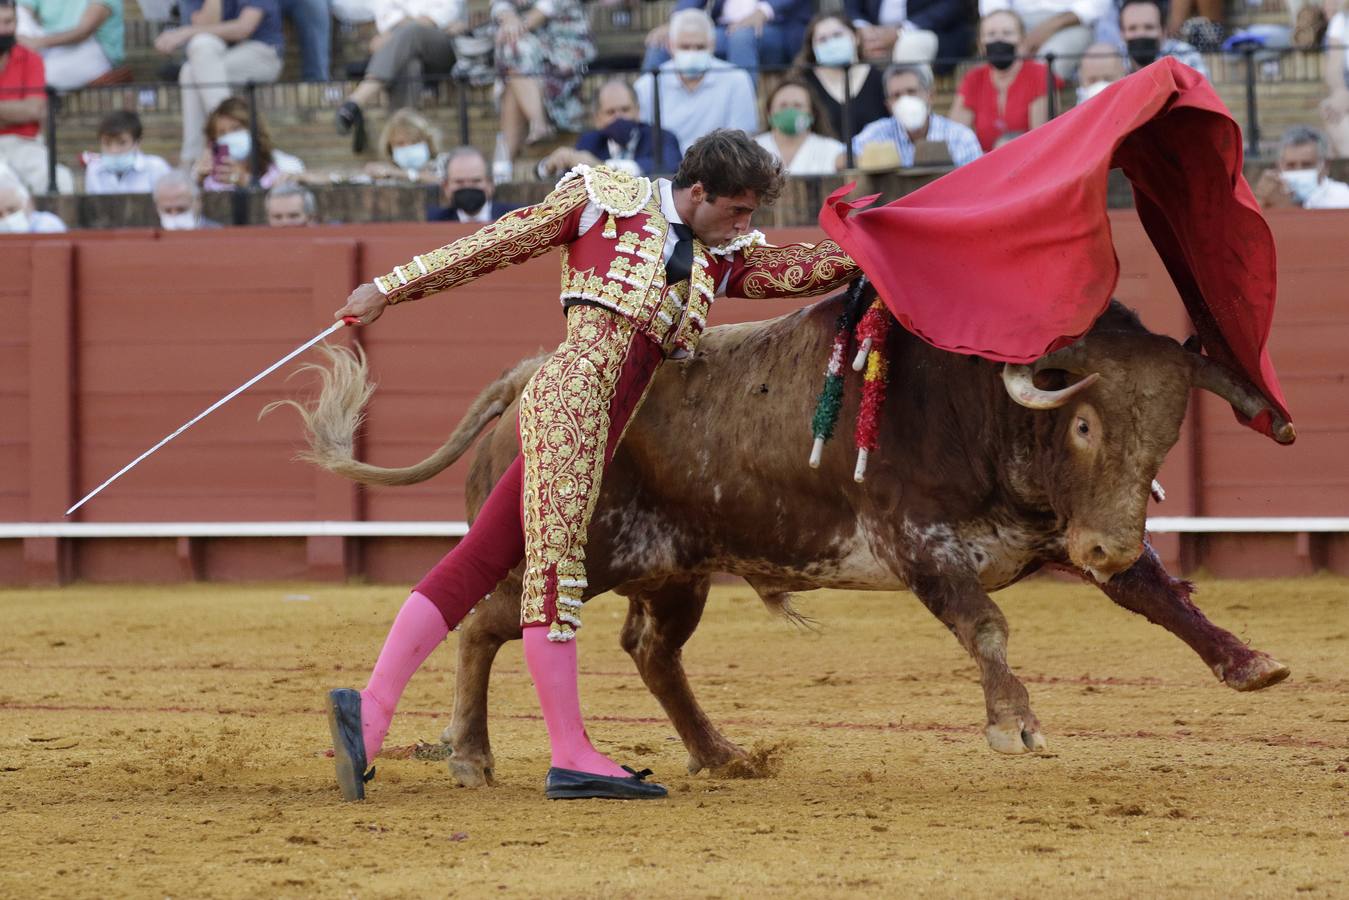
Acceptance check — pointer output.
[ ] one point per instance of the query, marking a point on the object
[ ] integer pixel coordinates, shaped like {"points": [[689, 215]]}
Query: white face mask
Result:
{"points": [[911, 112], [184, 221], [412, 156], [1086, 93], [15, 223], [238, 143], [692, 62], [1301, 183]]}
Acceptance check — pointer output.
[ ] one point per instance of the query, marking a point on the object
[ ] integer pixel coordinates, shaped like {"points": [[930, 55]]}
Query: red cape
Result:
{"points": [[1011, 256]]}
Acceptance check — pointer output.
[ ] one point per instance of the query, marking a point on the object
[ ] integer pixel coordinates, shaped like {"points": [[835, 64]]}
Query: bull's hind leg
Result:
{"points": [[1149, 590], [975, 620], [493, 622], [660, 621]]}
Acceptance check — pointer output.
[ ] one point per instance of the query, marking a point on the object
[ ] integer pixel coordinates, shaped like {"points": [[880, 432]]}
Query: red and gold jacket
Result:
{"points": [[618, 262]]}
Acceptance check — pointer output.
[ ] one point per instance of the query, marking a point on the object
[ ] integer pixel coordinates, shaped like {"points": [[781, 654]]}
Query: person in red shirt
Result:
{"points": [[1005, 94], [23, 103]]}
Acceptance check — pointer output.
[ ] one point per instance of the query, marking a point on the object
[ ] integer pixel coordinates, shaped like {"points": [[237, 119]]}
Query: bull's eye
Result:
{"points": [[1083, 428]]}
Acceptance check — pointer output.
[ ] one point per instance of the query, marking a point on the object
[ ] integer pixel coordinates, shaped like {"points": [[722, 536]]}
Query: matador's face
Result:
{"points": [[723, 219]]}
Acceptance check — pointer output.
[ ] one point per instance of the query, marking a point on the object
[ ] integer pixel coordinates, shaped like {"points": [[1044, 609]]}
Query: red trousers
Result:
{"points": [[578, 405]]}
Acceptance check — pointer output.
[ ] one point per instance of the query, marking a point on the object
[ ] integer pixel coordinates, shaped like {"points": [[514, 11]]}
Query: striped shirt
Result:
{"points": [[960, 140]]}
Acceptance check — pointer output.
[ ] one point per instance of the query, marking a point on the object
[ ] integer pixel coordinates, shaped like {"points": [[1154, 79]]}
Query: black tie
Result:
{"points": [[680, 264]]}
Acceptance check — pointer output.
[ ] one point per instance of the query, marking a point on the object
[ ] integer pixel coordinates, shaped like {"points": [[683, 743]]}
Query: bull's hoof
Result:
{"points": [[716, 759], [1256, 673], [1016, 736], [472, 772]]}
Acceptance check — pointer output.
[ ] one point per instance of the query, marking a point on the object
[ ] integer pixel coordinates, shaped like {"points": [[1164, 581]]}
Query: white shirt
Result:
{"points": [[1329, 194], [139, 179], [482, 216], [817, 155], [40, 222], [1087, 11], [388, 13], [1337, 38]]}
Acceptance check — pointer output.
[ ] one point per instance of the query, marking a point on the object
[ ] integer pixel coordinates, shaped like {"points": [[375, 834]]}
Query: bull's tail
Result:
{"points": [[331, 421]]}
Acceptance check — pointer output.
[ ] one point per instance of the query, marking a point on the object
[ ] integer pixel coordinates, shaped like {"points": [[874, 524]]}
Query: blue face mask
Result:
{"points": [[119, 163], [238, 143], [412, 156], [839, 50]]}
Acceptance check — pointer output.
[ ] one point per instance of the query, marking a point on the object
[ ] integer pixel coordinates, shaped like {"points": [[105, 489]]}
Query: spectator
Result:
{"points": [[290, 206], [1004, 94], [916, 31], [698, 92], [178, 203], [1062, 28], [229, 42], [17, 215], [542, 49], [1335, 70], [80, 40], [908, 90], [228, 163], [1102, 66], [618, 139], [1204, 29], [1140, 27], [23, 104], [411, 148], [467, 191], [415, 37], [120, 167], [1301, 178], [748, 34], [313, 23], [792, 112], [831, 49]]}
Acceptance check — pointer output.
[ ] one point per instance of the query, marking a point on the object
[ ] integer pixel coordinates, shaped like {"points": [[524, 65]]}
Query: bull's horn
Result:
{"points": [[1020, 384], [1218, 379]]}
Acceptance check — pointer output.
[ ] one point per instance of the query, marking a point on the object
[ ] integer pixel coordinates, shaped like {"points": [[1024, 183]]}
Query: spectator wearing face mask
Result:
{"points": [[120, 167], [829, 66], [749, 33], [290, 206], [698, 92], [618, 139], [908, 89], [1061, 28], [1301, 178], [227, 161], [411, 146], [792, 116], [17, 215], [467, 191], [1140, 27], [1006, 93], [178, 203], [1102, 65]]}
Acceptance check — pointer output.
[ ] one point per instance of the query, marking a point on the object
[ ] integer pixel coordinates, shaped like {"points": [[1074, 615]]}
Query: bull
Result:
{"points": [[985, 474]]}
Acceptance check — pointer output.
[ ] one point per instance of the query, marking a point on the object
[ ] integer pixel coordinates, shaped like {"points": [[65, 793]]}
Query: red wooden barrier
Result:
{"points": [[113, 339]]}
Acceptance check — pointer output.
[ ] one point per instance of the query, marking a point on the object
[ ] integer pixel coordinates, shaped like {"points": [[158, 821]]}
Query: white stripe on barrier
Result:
{"points": [[1159, 525]]}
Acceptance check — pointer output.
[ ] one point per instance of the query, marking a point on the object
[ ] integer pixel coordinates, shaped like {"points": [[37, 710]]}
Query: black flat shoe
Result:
{"points": [[568, 784], [344, 721], [351, 119]]}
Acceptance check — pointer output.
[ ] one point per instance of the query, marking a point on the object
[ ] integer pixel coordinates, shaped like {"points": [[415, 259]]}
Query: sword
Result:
{"points": [[336, 326]]}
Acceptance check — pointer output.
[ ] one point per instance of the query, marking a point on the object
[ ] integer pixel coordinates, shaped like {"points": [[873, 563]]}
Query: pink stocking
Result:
{"points": [[552, 665], [418, 629]]}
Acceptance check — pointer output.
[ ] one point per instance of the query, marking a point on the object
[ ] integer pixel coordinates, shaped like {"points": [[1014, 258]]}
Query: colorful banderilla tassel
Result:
{"points": [[871, 331], [831, 395]]}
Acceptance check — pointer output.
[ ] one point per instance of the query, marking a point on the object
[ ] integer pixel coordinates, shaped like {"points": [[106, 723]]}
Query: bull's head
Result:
{"points": [[1113, 412]]}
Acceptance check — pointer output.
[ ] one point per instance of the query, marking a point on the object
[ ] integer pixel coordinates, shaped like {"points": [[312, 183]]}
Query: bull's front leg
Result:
{"points": [[493, 622], [1149, 590], [660, 621], [972, 616]]}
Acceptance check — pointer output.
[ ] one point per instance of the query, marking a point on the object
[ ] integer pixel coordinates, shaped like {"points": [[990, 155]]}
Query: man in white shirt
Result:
{"points": [[1058, 28], [1301, 178], [698, 92], [120, 167]]}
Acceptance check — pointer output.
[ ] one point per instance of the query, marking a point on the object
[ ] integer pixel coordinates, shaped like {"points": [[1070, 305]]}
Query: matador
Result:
{"points": [[642, 261]]}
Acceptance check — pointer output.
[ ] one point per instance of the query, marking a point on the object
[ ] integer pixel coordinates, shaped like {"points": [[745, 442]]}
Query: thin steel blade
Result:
{"points": [[337, 326]]}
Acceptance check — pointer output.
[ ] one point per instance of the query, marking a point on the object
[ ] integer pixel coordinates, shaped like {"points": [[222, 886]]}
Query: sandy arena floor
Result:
{"points": [[167, 742]]}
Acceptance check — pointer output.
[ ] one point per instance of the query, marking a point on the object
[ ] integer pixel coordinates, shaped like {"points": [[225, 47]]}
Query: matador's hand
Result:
{"points": [[365, 303]]}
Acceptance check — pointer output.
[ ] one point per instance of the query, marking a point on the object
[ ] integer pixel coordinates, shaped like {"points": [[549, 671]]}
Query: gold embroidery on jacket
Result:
{"points": [[795, 269]]}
